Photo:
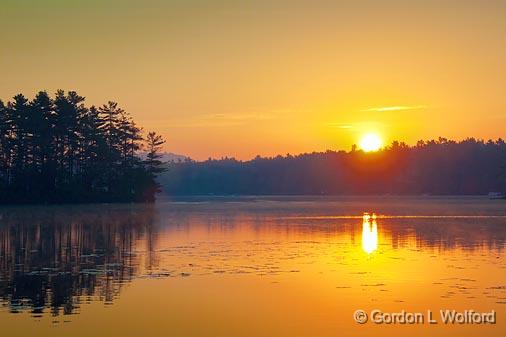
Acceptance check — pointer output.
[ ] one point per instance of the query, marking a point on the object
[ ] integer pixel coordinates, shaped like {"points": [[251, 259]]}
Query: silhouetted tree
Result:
{"points": [[430, 167], [153, 164], [58, 150]]}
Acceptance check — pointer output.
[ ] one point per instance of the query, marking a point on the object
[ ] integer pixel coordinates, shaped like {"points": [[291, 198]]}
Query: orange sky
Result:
{"points": [[241, 78]]}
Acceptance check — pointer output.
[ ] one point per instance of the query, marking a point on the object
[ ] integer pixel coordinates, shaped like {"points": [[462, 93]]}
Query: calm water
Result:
{"points": [[251, 267]]}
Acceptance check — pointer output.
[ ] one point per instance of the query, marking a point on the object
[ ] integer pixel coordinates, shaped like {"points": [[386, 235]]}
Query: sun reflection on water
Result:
{"points": [[369, 233]]}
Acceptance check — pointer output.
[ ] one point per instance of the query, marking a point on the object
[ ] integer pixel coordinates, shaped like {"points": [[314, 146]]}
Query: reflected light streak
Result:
{"points": [[369, 233]]}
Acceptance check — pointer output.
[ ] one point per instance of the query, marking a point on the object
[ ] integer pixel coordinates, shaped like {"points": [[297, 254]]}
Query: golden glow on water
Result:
{"points": [[369, 233], [265, 268]]}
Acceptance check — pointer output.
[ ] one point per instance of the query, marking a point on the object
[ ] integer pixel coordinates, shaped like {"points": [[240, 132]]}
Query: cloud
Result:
{"points": [[203, 124], [395, 108], [340, 125], [229, 119], [240, 116]]}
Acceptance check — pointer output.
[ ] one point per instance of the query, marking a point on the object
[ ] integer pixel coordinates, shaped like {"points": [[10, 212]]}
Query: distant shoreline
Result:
{"points": [[252, 198]]}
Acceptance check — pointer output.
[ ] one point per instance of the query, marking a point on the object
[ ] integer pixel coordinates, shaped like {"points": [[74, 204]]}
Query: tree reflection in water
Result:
{"points": [[54, 257]]}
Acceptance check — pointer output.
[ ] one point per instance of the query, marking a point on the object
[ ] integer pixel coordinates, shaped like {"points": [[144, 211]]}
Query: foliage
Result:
{"points": [[58, 150], [434, 167]]}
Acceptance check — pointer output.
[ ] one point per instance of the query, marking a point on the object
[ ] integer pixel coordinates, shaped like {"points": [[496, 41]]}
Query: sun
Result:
{"points": [[370, 142]]}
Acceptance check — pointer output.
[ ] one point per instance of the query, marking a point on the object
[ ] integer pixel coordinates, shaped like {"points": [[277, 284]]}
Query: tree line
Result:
{"points": [[55, 150], [438, 167]]}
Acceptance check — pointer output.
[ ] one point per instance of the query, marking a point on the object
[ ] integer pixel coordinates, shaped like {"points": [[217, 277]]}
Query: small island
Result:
{"points": [[58, 150]]}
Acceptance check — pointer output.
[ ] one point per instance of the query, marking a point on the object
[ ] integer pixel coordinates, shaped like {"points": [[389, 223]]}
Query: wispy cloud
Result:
{"points": [[203, 124], [340, 125], [395, 108], [229, 119], [241, 116]]}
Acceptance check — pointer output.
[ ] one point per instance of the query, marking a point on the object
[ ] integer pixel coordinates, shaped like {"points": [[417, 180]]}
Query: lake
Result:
{"points": [[266, 266]]}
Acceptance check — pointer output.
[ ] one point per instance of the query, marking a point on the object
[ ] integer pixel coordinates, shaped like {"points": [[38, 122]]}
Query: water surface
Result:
{"points": [[286, 266]]}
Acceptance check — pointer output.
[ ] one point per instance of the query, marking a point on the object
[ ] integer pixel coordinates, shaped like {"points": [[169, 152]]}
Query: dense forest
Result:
{"points": [[439, 167], [56, 150]]}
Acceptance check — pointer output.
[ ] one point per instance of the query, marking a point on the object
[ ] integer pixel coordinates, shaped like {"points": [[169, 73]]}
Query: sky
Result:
{"points": [[245, 78]]}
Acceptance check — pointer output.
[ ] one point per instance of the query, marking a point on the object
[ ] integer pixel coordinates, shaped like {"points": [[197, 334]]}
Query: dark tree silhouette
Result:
{"points": [[153, 164], [434, 167], [58, 150]]}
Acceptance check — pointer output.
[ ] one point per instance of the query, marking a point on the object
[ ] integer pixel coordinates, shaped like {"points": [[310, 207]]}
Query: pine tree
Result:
{"points": [[154, 166], [58, 150], [42, 125]]}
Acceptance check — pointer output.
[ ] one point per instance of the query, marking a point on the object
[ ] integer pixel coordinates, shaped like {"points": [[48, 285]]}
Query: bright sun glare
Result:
{"points": [[370, 142]]}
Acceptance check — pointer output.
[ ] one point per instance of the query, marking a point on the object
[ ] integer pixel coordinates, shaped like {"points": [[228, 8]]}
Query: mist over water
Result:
{"points": [[300, 266]]}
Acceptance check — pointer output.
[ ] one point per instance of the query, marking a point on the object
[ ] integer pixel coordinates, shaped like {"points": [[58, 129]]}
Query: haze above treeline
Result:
{"points": [[439, 167], [240, 78], [58, 150]]}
